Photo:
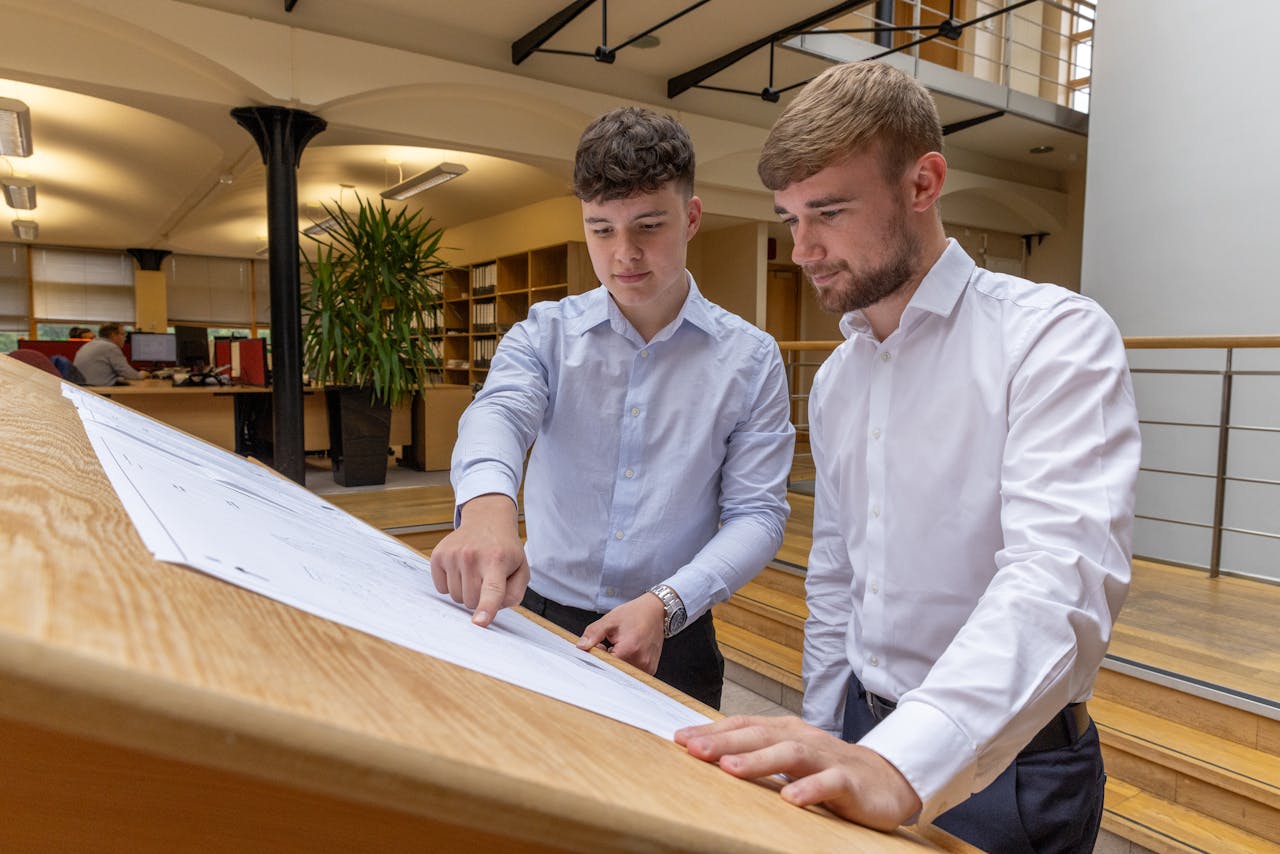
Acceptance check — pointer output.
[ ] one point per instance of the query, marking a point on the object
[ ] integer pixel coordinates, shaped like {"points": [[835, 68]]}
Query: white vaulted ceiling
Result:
{"points": [[135, 147]]}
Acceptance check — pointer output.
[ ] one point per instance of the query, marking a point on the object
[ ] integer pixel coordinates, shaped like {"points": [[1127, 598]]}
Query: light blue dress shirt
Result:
{"points": [[658, 462]]}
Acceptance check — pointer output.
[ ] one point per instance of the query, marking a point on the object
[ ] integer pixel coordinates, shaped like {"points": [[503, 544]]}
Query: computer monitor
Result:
{"points": [[153, 347], [193, 346]]}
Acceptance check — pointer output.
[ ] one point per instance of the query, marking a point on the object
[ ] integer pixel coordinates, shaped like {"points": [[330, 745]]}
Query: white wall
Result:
{"points": [[1181, 196], [1179, 239]]}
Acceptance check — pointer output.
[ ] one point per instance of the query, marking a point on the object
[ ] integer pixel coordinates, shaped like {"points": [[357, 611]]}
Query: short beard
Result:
{"points": [[868, 287]]}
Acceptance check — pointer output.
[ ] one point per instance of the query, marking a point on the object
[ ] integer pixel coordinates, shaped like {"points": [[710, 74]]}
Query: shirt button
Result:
{"points": [[875, 662], [875, 588], [884, 357], [875, 510], [629, 473], [644, 354], [611, 591], [635, 412], [617, 535], [875, 434]]}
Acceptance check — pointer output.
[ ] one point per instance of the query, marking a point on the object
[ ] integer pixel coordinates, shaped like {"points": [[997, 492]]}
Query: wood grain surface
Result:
{"points": [[132, 692]]}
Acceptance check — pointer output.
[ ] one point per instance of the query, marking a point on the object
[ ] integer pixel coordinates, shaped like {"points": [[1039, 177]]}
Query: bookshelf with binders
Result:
{"points": [[483, 301]]}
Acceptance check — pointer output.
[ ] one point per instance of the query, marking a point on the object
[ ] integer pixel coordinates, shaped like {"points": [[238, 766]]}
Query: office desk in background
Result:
{"points": [[145, 707], [238, 418]]}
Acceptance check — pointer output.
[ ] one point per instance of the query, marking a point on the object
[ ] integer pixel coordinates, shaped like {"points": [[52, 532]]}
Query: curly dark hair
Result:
{"points": [[631, 151]]}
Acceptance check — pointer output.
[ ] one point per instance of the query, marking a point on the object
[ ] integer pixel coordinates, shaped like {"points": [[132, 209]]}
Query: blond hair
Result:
{"points": [[847, 109]]}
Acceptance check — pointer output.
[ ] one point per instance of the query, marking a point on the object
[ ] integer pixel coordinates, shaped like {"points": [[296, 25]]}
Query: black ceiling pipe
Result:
{"points": [[281, 134]]}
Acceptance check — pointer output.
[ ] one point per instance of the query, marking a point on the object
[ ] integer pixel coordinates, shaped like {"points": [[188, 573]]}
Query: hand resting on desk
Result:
{"points": [[482, 563], [854, 782]]}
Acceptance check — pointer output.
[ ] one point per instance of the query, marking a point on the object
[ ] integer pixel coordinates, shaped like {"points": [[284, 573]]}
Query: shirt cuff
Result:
{"points": [[480, 482], [696, 588], [936, 757]]}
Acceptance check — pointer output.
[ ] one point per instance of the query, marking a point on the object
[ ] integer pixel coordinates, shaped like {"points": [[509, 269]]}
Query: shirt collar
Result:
{"points": [[598, 307], [938, 293]]}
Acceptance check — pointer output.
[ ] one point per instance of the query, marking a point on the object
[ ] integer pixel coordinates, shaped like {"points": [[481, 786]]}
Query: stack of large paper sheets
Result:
{"points": [[206, 508]]}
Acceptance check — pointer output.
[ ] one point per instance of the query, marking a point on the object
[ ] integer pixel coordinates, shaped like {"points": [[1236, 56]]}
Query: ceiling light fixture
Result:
{"points": [[26, 229], [19, 193], [324, 226], [1041, 149], [424, 181], [15, 128]]}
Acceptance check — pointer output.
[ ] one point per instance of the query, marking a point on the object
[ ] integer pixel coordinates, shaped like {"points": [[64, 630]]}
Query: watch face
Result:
{"points": [[676, 623]]}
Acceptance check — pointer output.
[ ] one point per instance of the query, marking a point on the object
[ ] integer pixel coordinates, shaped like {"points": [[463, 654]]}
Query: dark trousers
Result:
{"points": [[690, 662], [1048, 801]]}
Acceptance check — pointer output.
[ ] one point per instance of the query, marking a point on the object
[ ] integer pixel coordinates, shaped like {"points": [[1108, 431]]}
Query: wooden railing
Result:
{"points": [[802, 359]]}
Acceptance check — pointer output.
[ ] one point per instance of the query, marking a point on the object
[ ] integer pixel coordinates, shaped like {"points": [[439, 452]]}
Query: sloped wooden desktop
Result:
{"points": [[145, 707]]}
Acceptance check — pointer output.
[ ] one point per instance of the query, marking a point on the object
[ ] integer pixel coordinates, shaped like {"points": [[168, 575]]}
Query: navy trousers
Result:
{"points": [[691, 661], [1050, 801]]}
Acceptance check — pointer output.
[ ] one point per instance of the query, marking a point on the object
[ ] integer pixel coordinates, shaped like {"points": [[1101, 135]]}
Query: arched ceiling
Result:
{"points": [[134, 145]]}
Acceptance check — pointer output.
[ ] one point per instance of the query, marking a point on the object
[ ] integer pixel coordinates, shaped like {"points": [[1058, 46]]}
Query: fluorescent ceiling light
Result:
{"points": [[424, 181], [324, 226], [26, 229], [19, 193], [15, 128]]}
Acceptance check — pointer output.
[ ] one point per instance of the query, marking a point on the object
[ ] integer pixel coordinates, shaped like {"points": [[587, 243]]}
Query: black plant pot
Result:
{"points": [[359, 436]]}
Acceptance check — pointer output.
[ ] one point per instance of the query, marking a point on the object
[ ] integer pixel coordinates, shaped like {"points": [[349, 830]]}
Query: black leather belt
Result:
{"points": [[1066, 726]]}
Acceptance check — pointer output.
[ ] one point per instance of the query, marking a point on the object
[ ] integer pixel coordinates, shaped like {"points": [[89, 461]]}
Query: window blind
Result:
{"points": [[262, 292], [208, 290], [15, 304], [82, 285]]}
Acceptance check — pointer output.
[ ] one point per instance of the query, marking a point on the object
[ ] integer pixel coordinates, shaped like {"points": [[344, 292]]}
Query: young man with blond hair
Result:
{"points": [[976, 445], [660, 431]]}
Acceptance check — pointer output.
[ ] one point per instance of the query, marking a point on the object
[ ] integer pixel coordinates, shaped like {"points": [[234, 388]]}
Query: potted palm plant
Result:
{"points": [[372, 296]]}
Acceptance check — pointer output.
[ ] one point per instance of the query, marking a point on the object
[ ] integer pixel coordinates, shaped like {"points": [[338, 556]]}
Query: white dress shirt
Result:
{"points": [[972, 521], [654, 462]]}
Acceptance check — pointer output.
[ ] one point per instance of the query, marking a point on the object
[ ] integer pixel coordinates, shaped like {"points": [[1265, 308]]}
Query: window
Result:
{"points": [[15, 308], [57, 331], [82, 286], [1080, 60], [209, 290]]}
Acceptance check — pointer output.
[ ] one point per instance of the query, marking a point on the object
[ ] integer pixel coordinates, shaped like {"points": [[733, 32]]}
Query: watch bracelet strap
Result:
{"points": [[672, 603]]}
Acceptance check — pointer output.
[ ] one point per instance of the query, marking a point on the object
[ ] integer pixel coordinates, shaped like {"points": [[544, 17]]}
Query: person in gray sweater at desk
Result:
{"points": [[102, 360], [657, 483]]}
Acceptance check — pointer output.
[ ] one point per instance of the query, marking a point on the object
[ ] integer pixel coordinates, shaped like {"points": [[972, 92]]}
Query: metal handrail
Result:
{"points": [[795, 351], [1000, 56]]}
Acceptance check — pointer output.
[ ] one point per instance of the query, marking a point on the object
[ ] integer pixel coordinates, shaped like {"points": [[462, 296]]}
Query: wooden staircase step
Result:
{"points": [[760, 655], [1200, 713], [1168, 828], [782, 579], [767, 623], [785, 607], [1237, 784]]}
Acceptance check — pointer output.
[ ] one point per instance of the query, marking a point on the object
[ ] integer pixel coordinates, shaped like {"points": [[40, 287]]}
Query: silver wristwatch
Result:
{"points": [[673, 605]]}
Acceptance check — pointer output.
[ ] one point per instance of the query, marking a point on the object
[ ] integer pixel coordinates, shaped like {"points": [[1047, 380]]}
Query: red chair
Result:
{"points": [[36, 359]]}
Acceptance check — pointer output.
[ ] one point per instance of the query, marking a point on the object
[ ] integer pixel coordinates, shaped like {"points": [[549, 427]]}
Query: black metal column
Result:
{"points": [[281, 134], [149, 259]]}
